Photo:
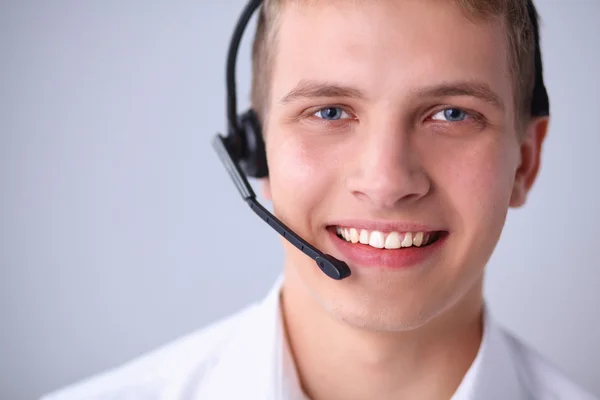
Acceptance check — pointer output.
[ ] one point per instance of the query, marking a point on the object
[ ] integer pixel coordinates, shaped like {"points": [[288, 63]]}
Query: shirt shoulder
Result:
{"points": [[543, 379], [159, 373]]}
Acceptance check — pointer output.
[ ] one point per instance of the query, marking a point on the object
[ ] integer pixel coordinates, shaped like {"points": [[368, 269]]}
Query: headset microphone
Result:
{"points": [[331, 266], [242, 151]]}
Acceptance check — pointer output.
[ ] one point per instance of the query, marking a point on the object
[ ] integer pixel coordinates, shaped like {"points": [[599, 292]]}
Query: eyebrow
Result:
{"points": [[314, 89], [478, 90]]}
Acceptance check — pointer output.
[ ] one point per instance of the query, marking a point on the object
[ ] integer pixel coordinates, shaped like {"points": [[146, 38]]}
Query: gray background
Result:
{"points": [[120, 230]]}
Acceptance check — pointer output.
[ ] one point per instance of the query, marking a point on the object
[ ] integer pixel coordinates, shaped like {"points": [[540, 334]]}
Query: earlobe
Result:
{"points": [[531, 149]]}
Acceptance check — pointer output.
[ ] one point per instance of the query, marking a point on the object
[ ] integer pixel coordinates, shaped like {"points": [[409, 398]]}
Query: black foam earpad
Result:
{"points": [[253, 160]]}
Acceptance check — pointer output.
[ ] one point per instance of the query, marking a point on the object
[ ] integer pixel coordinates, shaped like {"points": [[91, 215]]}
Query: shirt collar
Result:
{"points": [[259, 358], [247, 364], [492, 374]]}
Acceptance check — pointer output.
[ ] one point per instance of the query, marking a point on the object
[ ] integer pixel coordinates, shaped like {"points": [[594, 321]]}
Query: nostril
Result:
{"points": [[388, 185]]}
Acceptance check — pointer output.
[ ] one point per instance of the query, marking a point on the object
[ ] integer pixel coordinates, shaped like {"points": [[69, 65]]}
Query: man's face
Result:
{"points": [[391, 117]]}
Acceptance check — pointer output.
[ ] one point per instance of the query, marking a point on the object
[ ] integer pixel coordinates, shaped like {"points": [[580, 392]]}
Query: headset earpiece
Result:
{"points": [[254, 159]]}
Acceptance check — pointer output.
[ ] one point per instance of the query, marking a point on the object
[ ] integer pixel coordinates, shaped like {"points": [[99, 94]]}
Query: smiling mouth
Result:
{"points": [[387, 240]]}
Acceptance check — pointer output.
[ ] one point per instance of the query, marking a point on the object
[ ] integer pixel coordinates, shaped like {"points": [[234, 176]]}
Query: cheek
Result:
{"points": [[299, 173], [479, 184], [292, 162]]}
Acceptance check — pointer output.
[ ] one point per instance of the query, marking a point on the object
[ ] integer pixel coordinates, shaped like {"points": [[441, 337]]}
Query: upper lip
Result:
{"points": [[386, 226]]}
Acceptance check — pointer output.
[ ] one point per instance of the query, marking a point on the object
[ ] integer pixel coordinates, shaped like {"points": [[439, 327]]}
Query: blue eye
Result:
{"points": [[451, 114], [331, 113]]}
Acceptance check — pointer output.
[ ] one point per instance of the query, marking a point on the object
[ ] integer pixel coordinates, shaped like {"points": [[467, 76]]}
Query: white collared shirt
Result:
{"points": [[246, 356]]}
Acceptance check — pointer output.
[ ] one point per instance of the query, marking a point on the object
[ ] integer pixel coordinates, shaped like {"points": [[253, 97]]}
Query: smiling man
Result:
{"points": [[407, 125]]}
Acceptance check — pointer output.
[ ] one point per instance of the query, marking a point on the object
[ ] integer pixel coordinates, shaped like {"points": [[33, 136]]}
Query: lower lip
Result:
{"points": [[363, 255]]}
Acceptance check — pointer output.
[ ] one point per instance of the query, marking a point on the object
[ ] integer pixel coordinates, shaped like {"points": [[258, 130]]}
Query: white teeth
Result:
{"points": [[418, 239], [342, 233], [380, 240], [377, 240], [353, 235], [364, 236], [393, 241], [407, 242]]}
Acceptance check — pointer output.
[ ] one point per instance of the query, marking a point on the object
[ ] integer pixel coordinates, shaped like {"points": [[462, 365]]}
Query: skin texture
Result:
{"points": [[392, 157]]}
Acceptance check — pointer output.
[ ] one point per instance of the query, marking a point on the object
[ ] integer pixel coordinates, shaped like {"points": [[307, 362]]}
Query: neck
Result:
{"points": [[337, 361]]}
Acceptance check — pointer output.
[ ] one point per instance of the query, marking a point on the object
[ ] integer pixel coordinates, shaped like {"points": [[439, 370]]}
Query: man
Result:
{"points": [[407, 126]]}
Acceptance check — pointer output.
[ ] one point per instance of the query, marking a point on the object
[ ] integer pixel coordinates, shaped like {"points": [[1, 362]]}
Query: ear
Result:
{"points": [[531, 149], [265, 184]]}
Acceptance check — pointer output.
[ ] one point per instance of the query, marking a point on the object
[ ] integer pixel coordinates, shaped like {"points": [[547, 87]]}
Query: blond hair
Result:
{"points": [[514, 16]]}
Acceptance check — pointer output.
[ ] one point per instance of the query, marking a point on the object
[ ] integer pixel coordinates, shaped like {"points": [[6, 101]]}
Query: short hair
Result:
{"points": [[514, 15]]}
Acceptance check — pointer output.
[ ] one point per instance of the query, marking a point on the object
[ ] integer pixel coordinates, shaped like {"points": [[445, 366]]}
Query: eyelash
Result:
{"points": [[471, 116], [339, 123]]}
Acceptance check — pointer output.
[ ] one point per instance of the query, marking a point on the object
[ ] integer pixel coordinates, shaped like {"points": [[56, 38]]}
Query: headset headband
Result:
{"points": [[232, 114], [539, 106]]}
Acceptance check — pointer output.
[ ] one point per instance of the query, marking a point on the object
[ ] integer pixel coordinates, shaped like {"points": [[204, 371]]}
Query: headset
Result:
{"points": [[243, 154]]}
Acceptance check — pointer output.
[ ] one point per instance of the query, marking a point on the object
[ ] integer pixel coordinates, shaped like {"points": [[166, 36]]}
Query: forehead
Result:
{"points": [[383, 47]]}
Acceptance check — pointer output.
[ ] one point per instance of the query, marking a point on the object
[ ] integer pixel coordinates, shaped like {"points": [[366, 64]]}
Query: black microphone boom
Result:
{"points": [[331, 266]]}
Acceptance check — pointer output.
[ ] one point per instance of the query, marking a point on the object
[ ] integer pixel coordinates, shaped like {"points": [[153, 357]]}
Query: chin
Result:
{"points": [[395, 307], [382, 316], [384, 300]]}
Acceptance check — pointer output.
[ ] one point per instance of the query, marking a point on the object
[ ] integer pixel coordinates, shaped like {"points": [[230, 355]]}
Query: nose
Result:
{"points": [[387, 170]]}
